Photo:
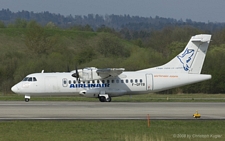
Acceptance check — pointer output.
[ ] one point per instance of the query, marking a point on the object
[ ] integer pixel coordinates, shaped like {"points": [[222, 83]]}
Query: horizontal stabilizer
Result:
{"points": [[200, 39]]}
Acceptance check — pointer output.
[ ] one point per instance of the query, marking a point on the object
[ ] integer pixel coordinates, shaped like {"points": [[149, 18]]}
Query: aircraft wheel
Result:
{"points": [[108, 99], [102, 99], [27, 99]]}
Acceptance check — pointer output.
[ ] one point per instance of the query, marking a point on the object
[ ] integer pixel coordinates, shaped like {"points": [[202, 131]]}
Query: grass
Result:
{"points": [[127, 98], [113, 130]]}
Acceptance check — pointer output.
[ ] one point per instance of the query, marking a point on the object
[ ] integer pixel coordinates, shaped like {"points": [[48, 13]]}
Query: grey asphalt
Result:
{"points": [[13, 110]]}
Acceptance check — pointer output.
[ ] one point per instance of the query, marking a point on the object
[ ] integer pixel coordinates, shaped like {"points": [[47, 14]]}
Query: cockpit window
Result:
{"points": [[29, 79], [34, 79], [25, 79]]}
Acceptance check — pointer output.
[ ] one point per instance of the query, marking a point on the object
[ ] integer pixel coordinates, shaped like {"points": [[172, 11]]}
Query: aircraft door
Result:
{"points": [[51, 84], [149, 82]]}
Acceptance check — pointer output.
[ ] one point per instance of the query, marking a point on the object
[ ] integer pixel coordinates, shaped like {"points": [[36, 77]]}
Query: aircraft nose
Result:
{"points": [[15, 89]]}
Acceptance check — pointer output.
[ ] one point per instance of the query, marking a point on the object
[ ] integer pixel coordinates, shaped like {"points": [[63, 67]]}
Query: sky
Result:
{"points": [[196, 10]]}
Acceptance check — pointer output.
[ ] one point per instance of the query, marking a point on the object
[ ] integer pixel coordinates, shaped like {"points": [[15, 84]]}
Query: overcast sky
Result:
{"points": [[196, 10]]}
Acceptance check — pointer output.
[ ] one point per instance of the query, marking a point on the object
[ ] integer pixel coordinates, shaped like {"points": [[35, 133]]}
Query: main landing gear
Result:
{"points": [[104, 98], [27, 98]]}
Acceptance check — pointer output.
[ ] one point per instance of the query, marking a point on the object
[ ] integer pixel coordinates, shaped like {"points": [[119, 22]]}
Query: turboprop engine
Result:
{"points": [[92, 73], [87, 74]]}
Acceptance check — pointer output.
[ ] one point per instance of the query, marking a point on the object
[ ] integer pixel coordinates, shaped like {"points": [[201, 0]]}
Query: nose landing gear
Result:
{"points": [[27, 98]]}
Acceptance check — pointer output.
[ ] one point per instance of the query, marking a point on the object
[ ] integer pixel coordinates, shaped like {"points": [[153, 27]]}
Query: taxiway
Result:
{"points": [[13, 110]]}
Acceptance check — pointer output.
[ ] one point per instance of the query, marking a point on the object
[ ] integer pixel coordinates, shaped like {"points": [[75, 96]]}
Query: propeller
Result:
{"points": [[76, 75]]}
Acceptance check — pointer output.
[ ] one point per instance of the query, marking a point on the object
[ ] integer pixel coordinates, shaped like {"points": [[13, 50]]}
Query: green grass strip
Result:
{"points": [[113, 130], [127, 98]]}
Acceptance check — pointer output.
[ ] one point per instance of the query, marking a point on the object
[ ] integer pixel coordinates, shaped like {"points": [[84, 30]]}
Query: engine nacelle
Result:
{"points": [[92, 73], [89, 74]]}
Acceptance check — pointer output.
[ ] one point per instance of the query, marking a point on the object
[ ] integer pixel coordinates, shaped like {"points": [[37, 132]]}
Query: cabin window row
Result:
{"points": [[109, 81]]}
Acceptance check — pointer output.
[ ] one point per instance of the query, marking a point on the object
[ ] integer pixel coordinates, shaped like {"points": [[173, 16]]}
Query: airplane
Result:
{"points": [[183, 69]]}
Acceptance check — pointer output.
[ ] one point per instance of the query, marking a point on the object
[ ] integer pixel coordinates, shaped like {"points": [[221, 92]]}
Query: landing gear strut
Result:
{"points": [[104, 98]]}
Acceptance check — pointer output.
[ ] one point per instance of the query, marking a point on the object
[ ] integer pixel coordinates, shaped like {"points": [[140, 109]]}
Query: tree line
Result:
{"points": [[117, 22], [28, 47]]}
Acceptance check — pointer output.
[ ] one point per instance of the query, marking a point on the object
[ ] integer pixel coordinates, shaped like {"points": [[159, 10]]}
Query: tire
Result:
{"points": [[102, 99], [108, 99], [27, 99]]}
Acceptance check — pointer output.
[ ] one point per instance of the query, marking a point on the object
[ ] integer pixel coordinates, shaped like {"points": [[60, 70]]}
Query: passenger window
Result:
{"points": [[88, 82], [122, 81], [103, 81], [112, 81], [136, 80], [74, 81], [30, 79], [98, 81], [108, 81], [117, 81], [34, 79], [126, 80], [141, 80], [64, 82], [93, 81], [69, 81], [131, 81]]}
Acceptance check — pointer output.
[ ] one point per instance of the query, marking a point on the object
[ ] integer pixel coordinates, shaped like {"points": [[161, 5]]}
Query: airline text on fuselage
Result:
{"points": [[89, 85]]}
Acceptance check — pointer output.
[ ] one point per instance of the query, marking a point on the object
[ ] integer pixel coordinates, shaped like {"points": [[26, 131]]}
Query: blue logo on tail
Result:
{"points": [[185, 58]]}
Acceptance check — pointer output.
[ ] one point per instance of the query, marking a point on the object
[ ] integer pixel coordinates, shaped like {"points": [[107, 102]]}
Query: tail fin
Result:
{"points": [[191, 59]]}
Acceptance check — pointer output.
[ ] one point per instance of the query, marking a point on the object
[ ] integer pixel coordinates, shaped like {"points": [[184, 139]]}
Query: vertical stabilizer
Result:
{"points": [[202, 41], [190, 60]]}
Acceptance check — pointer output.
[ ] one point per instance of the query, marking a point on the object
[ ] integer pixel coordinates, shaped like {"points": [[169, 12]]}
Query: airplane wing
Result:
{"points": [[92, 73], [109, 72]]}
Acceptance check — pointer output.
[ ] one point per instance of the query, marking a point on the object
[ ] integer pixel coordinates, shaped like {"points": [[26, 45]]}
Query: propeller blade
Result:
{"points": [[76, 74]]}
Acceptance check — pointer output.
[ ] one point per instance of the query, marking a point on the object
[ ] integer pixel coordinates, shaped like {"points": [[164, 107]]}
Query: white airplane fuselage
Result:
{"points": [[126, 83], [183, 69]]}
